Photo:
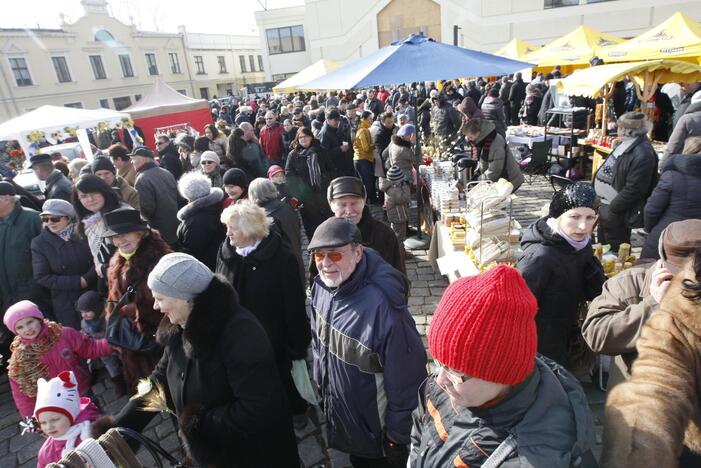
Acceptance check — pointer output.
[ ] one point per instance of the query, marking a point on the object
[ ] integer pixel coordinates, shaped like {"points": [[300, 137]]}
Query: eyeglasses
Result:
{"points": [[162, 142], [51, 219], [85, 196], [454, 377], [333, 256], [207, 162]]}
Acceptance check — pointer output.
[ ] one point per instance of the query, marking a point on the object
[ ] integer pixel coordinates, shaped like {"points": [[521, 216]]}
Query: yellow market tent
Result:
{"points": [[516, 49], [312, 72], [574, 48], [677, 37], [589, 82]]}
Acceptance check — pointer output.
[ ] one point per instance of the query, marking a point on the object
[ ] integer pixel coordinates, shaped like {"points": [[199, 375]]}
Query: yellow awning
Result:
{"points": [[574, 48], [312, 72], [516, 49], [677, 37], [588, 82]]}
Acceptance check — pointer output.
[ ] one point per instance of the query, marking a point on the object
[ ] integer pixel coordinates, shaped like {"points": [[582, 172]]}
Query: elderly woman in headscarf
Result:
{"points": [[469, 109], [61, 260], [210, 166]]}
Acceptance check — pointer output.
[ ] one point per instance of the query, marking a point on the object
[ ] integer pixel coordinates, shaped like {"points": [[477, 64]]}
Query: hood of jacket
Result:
{"points": [[493, 102], [694, 107], [684, 163], [373, 270], [399, 141], [211, 201], [540, 233], [486, 127], [212, 309]]}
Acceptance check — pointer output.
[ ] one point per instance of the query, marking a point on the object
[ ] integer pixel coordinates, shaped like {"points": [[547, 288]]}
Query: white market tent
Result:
{"points": [[312, 72], [52, 119]]}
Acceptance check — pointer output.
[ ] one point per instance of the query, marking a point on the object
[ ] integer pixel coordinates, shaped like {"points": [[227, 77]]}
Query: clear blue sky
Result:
{"points": [[218, 16]]}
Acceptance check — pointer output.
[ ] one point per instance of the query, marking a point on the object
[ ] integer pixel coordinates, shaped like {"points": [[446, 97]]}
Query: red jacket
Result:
{"points": [[271, 141]]}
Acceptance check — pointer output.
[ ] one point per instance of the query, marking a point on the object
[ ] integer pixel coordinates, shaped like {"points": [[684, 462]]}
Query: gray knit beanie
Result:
{"points": [[179, 275], [193, 185]]}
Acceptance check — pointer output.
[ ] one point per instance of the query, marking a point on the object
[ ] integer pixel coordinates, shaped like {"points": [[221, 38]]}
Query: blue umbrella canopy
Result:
{"points": [[416, 58]]}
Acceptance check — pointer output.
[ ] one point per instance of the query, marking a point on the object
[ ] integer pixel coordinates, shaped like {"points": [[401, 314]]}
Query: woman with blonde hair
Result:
{"points": [[269, 282]]}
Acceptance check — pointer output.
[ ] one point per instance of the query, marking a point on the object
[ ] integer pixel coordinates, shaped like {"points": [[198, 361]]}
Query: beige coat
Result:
{"points": [[649, 417], [617, 316], [128, 193]]}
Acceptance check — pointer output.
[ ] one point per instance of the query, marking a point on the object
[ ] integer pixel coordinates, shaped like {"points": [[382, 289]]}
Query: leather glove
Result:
{"points": [[396, 454]]}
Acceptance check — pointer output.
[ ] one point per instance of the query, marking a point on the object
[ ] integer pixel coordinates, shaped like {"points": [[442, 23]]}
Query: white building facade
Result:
{"points": [[341, 30], [98, 61]]}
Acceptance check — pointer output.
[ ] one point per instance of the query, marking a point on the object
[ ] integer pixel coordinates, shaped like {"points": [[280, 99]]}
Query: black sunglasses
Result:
{"points": [[51, 219]]}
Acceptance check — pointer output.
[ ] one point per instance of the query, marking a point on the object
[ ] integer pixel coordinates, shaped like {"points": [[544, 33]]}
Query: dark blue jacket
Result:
{"points": [[368, 357]]}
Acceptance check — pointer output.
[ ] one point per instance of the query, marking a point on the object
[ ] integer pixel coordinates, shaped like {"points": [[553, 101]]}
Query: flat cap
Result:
{"points": [[335, 232], [346, 186], [142, 151], [39, 159]]}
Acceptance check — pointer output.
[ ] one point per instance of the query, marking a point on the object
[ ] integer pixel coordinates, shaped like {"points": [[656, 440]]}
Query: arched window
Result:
{"points": [[102, 35]]}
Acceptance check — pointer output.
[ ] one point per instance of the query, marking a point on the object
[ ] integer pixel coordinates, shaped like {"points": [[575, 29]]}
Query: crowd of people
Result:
{"points": [[182, 269]]}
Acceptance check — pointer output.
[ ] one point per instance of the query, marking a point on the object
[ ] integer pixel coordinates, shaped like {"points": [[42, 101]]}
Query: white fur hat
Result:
{"points": [[194, 185], [60, 395]]}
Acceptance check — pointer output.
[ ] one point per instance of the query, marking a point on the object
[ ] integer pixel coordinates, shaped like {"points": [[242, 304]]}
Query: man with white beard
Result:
{"points": [[368, 357]]}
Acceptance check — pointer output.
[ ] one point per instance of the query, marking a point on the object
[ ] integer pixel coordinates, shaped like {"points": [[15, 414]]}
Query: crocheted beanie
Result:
{"points": [[484, 327]]}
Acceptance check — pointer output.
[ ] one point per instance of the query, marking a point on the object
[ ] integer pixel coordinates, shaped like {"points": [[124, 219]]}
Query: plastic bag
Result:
{"points": [[300, 376]]}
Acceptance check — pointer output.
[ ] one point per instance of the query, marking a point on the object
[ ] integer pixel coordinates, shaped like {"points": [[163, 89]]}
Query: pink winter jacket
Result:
{"points": [[69, 353], [50, 452]]}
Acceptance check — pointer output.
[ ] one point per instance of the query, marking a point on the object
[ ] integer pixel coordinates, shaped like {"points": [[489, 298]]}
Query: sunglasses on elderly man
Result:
{"points": [[51, 219], [333, 256], [454, 377]]}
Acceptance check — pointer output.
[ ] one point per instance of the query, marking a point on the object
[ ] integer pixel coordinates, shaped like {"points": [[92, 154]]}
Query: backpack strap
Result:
{"points": [[501, 453]]}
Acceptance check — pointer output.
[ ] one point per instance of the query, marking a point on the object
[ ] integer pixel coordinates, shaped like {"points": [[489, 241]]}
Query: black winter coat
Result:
{"points": [[58, 186], [287, 222], [220, 378], [560, 278], [58, 266], [269, 284], [634, 178], [676, 197], [447, 122], [201, 231], [170, 160]]}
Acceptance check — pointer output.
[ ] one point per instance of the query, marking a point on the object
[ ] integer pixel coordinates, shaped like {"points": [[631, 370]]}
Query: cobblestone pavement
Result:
{"points": [[426, 289]]}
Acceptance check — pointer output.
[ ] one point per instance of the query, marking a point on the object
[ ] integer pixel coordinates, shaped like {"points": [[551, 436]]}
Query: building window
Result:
{"points": [[204, 93], [137, 97], [98, 69], [105, 103], [252, 62], [260, 63], [151, 64], [61, 67], [242, 61], [560, 3], [285, 40], [174, 63], [199, 64], [222, 64], [125, 62], [103, 36], [21, 71], [183, 92], [121, 102], [74, 105]]}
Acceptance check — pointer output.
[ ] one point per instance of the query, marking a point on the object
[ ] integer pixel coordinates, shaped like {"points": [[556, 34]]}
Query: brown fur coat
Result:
{"points": [[140, 310], [649, 417]]}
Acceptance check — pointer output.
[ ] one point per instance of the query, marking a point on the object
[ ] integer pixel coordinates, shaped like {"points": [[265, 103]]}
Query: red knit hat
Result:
{"points": [[484, 327]]}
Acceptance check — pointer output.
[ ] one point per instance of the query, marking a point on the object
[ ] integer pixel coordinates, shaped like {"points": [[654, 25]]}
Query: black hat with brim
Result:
{"points": [[123, 221]]}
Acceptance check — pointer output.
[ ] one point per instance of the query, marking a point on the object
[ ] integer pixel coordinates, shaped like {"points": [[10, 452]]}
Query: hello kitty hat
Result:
{"points": [[60, 395]]}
